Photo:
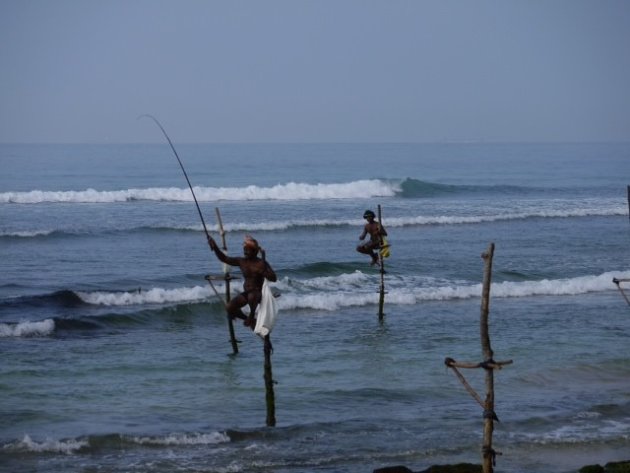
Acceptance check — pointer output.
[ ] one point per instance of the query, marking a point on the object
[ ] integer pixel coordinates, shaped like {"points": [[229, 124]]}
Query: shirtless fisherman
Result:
{"points": [[376, 232], [255, 270]]}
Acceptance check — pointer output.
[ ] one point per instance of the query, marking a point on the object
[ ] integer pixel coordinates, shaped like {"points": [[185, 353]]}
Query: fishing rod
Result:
{"points": [[183, 170], [205, 228]]}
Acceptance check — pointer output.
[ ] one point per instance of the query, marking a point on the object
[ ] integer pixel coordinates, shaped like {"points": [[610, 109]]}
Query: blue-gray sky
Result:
{"points": [[315, 71]]}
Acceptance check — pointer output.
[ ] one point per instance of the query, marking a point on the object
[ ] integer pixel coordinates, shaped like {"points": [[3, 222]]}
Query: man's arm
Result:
{"points": [[220, 255], [365, 232], [268, 273]]}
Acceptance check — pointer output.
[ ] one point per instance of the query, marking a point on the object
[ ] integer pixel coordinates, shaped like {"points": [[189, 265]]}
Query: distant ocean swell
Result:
{"points": [[576, 209], [604, 209], [289, 191], [364, 188], [326, 293]]}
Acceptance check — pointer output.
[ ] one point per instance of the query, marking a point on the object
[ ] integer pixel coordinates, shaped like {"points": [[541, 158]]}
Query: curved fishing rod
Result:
{"points": [[191, 190], [183, 170], [233, 339]]}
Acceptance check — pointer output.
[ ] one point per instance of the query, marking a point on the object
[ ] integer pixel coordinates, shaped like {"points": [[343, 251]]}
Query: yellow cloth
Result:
{"points": [[384, 251]]}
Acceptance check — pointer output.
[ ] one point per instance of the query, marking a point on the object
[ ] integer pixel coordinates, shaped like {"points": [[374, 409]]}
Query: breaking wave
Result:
{"points": [[289, 191], [28, 329], [325, 293], [363, 188], [154, 295]]}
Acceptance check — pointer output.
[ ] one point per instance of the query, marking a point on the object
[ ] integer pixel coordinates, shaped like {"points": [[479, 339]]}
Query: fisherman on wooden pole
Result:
{"points": [[376, 247], [376, 232], [257, 294], [255, 271]]}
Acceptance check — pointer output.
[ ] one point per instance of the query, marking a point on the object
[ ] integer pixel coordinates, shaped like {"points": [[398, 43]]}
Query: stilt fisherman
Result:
{"points": [[255, 270], [376, 232]]}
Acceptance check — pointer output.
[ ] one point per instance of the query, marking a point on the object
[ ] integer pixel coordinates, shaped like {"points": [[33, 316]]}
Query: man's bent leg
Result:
{"points": [[253, 299], [234, 307]]}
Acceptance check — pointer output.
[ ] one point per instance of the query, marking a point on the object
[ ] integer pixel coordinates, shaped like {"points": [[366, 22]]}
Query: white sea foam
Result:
{"points": [[348, 281], [151, 296], [603, 211], [341, 291], [184, 439], [580, 432], [47, 446], [25, 233], [28, 329], [355, 289], [288, 191]]}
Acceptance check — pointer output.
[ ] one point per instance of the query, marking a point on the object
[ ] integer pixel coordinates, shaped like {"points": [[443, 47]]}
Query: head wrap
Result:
{"points": [[250, 242]]}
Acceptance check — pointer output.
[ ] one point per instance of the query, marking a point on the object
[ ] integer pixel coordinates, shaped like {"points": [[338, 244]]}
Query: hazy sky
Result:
{"points": [[314, 71]]}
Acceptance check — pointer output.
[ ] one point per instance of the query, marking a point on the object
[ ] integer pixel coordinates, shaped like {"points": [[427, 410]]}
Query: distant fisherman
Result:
{"points": [[255, 270], [376, 232]]}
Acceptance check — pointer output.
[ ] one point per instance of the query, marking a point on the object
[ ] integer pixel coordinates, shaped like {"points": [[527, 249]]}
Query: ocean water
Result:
{"points": [[116, 354]]}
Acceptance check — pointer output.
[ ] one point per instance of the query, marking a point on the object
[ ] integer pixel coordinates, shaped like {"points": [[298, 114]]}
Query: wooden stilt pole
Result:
{"points": [[269, 394], [488, 454], [381, 297], [227, 278], [489, 365]]}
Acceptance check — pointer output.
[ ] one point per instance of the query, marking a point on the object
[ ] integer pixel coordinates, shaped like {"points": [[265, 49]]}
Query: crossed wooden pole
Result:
{"points": [[381, 296], [489, 365]]}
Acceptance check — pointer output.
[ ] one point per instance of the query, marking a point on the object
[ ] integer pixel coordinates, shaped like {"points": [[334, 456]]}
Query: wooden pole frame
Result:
{"points": [[381, 261], [227, 278], [270, 397], [488, 454]]}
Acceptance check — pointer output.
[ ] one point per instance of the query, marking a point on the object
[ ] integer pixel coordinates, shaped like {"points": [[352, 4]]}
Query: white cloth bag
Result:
{"points": [[266, 312]]}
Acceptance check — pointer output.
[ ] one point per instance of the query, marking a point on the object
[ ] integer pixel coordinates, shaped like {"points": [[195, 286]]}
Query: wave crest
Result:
{"points": [[151, 296], [329, 293], [289, 191], [28, 329], [47, 446]]}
